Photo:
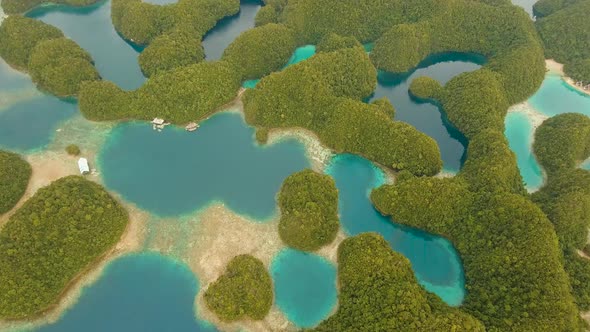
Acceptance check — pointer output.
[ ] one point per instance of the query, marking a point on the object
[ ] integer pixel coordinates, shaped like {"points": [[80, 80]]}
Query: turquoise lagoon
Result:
{"points": [[305, 286], [519, 131], [92, 29], [555, 96], [426, 117], [137, 293], [229, 28], [435, 262], [175, 172]]}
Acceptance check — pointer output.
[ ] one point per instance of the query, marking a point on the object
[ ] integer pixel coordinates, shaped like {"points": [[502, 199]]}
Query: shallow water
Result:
{"points": [[519, 132], [300, 54], [229, 28], [141, 292], [91, 27], [176, 172], [427, 117], [555, 96], [305, 286], [435, 262]]}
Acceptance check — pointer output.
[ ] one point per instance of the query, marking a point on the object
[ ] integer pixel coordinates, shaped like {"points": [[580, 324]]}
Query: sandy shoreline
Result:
{"points": [[556, 67]]}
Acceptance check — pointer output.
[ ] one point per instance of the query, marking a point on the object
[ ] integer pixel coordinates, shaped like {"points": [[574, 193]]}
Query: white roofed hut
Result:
{"points": [[83, 166]]}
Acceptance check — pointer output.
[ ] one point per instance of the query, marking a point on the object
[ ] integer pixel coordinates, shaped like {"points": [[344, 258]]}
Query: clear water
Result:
{"points": [[300, 54], [427, 117], [91, 27], [175, 172], [519, 132], [305, 286], [555, 96], [30, 125], [229, 28], [435, 262], [137, 293]]}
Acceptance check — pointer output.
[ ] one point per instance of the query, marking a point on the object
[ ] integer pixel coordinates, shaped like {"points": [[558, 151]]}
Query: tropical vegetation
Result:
{"points": [[244, 291], [22, 6], [51, 239], [15, 173], [309, 210]]}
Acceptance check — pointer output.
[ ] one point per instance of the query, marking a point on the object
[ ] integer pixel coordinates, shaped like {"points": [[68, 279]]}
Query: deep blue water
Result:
{"points": [[305, 286], [91, 27], [176, 172], [229, 28], [137, 293], [427, 117], [435, 262]]}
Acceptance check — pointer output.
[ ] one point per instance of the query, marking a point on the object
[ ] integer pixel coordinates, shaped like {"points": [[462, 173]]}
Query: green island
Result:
{"points": [[309, 210], [378, 292], [565, 30], [56, 64], [244, 291], [51, 239], [15, 173]]}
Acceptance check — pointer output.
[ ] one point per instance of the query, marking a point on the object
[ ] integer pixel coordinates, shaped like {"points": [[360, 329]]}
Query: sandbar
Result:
{"points": [[556, 67]]}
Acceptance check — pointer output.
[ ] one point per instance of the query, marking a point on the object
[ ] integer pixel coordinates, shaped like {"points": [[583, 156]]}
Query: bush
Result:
{"points": [[309, 210], [22, 6], [60, 66], [73, 150], [562, 142], [15, 173], [260, 51], [378, 292], [51, 239], [19, 36], [262, 135], [244, 291]]}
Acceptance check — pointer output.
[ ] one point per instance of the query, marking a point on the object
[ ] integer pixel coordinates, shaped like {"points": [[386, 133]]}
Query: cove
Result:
{"points": [[91, 27], [435, 261], [229, 28], [555, 96], [140, 292], [305, 286], [426, 117], [519, 132], [300, 54], [175, 172]]}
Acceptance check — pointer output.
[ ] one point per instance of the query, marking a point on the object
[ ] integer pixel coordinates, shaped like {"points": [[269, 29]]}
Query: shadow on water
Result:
{"points": [[426, 115]]}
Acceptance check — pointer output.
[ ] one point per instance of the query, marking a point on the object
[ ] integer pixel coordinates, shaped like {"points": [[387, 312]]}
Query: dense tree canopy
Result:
{"points": [[19, 36], [324, 94], [15, 173], [182, 95], [56, 64], [172, 32], [260, 51], [379, 292], [53, 237], [60, 66], [334, 42], [309, 210], [244, 291], [578, 70], [562, 142], [22, 6], [544, 8]]}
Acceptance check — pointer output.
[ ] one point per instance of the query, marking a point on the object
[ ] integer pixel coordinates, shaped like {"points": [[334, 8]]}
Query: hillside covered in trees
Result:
{"points": [[15, 173], [53, 237]]}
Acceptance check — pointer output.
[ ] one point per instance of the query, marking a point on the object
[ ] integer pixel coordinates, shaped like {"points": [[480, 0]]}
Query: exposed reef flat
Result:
{"points": [[556, 67], [318, 154], [534, 116]]}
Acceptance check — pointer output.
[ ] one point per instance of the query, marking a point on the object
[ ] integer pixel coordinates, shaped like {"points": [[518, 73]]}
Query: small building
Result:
{"points": [[83, 166], [191, 126]]}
